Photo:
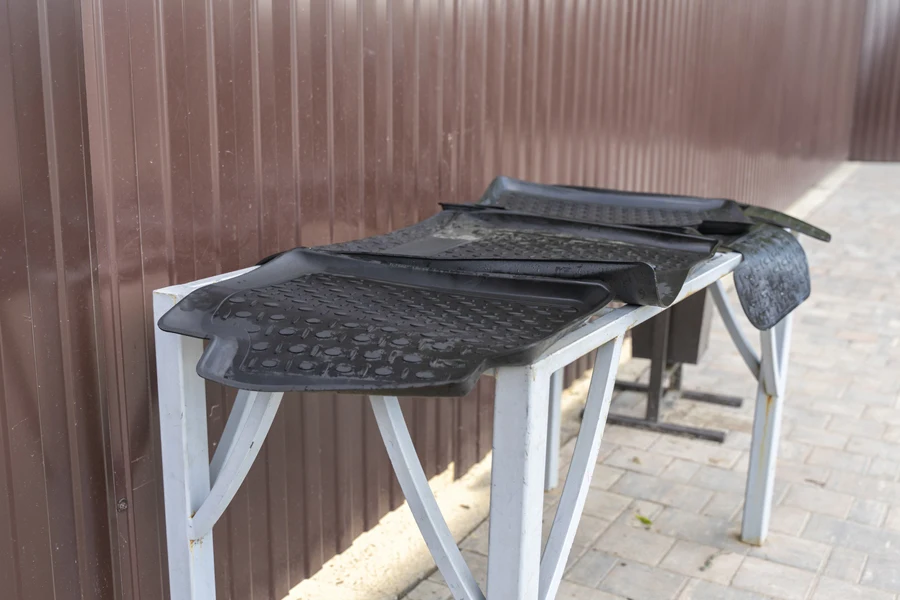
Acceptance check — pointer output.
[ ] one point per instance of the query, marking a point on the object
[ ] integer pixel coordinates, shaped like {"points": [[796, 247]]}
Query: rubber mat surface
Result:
{"points": [[640, 266], [425, 310], [596, 205], [773, 278], [311, 321], [772, 217]]}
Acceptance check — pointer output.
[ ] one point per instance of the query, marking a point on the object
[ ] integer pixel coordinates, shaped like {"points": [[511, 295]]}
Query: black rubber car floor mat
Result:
{"points": [[773, 277], [641, 209], [640, 266], [313, 321], [598, 205], [773, 217]]}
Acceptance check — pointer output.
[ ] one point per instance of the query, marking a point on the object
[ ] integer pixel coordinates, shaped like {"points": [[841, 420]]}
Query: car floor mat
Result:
{"points": [[773, 217], [313, 321], [773, 277], [604, 206], [641, 266]]}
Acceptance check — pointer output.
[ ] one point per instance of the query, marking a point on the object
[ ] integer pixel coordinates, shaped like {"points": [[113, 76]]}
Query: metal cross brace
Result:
{"points": [[526, 438]]}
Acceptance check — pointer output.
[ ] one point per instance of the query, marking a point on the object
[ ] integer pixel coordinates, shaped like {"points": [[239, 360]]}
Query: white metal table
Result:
{"points": [[525, 449]]}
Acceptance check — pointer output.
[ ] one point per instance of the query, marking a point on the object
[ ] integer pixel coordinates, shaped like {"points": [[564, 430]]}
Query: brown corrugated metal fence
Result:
{"points": [[149, 142], [54, 451], [876, 120]]}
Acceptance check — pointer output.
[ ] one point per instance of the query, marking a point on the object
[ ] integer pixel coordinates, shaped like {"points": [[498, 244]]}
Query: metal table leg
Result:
{"points": [[554, 424], [185, 459], [517, 478], [587, 447], [659, 361], [766, 432], [421, 499], [196, 492]]}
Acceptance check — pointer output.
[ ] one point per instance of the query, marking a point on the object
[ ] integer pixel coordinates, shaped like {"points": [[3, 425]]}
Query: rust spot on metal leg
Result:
{"points": [[770, 406]]}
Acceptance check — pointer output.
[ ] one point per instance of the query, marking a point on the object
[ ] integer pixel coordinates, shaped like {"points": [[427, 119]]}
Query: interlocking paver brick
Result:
{"points": [[810, 421], [865, 486], [882, 414], [573, 591], [742, 465], [477, 541], [788, 519], [605, 505], [837, 532], [719, 480], [845, 564], [631, 438], [892, 520], [697, 451], [798, 473], [632, 459], [723, 505], [591, 568], [866, 394], [634, 543], [477, 564], [793, 450], [892, 434], [589, 529], [884, 468], [430, 590], [872, 447], [881, 572], [773, 579], [868, 512], [680, 470], [640, 508], [659, 490], [816, 436], [818, 500], [836, 408], [838, 459], [793, 551], [835, 589], [698, 589], [739, 440], [604, 476], [701, 561], [700, 529], [861, 427], [640, 582]]}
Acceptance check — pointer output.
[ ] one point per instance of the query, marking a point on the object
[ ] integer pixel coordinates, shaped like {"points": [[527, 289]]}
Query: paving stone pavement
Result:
{"points": [[835, 530]]}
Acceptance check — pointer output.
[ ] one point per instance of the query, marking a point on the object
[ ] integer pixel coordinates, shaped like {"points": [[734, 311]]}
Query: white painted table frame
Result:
{"points": [[525, 449]]}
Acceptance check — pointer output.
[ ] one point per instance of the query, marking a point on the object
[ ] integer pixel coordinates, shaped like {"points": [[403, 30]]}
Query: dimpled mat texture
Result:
{"points": [[314, 322], [773, 279], [426, 309], [641, 266], [595, 205]]}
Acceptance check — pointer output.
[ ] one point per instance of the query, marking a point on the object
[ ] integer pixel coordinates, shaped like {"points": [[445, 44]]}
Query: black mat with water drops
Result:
{"points": [[771, 281], [314, 322], [641, 266], [426, 309], [596, 205]]}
